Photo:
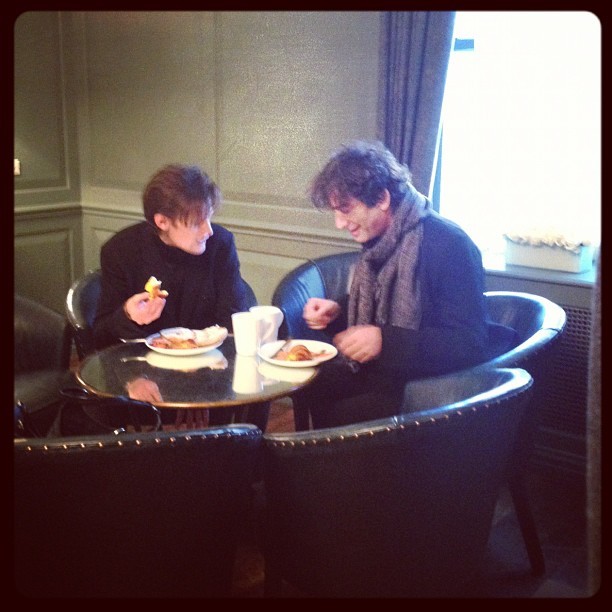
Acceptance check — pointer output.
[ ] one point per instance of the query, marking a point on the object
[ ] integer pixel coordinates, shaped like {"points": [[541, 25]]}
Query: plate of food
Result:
{"points": [[297, 353], [182, 341]]}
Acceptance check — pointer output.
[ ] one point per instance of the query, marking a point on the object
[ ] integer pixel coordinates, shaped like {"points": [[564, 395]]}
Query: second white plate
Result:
{"points": [[314, 346]]}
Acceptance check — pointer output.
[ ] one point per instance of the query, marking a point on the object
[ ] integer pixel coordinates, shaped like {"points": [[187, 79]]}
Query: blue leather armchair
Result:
{"points": [[397, 507], [537, 322], [41, 360], [325, 277], [81, 305], [144, 515]]}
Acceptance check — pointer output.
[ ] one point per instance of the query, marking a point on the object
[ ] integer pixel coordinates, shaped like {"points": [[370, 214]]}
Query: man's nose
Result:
{"points": [[207, 228]]}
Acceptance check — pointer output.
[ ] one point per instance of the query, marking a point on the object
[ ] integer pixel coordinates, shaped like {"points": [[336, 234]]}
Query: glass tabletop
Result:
{"points": [[215, 379]]}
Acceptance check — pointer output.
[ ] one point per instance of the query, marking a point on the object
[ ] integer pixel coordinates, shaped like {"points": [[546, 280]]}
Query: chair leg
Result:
{"points": [[518, 492]]}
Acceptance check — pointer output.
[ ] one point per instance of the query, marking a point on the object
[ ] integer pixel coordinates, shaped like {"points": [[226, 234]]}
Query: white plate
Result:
{"points": [[181, 352], [314, 346], [215, 360]]}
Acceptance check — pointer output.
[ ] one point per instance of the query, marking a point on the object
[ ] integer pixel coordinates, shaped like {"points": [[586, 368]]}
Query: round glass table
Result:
{"points": [[216, 379]]}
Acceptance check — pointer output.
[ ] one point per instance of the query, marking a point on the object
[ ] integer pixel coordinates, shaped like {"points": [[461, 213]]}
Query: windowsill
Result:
{"points": [[495, 265]]}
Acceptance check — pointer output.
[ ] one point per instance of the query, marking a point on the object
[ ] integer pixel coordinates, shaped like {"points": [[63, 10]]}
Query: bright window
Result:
{"points": [[521, 139]]}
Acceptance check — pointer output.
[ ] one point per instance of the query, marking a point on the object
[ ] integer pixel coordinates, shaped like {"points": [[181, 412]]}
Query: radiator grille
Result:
{"points": [[562, 436]]}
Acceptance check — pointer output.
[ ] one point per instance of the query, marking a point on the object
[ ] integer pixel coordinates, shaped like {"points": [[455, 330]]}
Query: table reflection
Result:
{"points": [[143, 389], [216, 379]]}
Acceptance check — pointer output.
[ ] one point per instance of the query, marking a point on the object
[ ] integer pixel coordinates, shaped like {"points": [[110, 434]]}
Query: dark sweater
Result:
{"points": [[203, 289], [453, 332]]}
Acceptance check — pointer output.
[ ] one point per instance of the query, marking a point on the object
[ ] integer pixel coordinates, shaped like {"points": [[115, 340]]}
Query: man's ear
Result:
{"points": [[161, 221], [385, 201]]}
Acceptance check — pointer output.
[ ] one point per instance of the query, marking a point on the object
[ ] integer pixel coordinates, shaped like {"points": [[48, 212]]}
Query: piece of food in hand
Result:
{"points": [[153, 288]]}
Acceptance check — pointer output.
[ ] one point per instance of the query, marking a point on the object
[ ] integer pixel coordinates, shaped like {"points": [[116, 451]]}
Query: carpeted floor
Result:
{"points": [[559, 507]]}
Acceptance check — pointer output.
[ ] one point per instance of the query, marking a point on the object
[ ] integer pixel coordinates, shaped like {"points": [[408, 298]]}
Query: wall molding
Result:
{"points": [[265, 223], [45, 210], [62, 181]]}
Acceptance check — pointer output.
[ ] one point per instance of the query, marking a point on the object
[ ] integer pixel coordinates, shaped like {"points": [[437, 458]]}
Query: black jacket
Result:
{"points": [[454, 332]]}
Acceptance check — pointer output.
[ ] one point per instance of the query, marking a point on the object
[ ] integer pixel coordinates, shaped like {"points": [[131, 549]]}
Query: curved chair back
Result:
{"points": [[397, 507], [539, 324], [325, 277], [458, 389], [251, 297], [537, 321], [138, 515], [41, 359], [41, 338], [82, 302]]}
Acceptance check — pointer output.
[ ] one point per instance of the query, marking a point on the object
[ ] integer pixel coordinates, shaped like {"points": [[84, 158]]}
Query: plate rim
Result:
{"points": [[311, 363]]}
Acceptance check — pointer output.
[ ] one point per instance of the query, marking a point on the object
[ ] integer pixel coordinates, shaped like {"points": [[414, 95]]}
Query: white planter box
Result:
{"points": [[549, 257]]}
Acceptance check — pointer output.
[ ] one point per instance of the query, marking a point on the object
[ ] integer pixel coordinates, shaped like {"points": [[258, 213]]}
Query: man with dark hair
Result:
{"points": [[195, 259], [416, 306]]}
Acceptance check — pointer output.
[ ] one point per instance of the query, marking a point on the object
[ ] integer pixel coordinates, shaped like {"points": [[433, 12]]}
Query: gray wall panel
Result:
{"points": [[46, 247]]}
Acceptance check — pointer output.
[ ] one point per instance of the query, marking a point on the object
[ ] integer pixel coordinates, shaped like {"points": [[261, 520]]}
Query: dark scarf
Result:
{"points": [[385, 289]]}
